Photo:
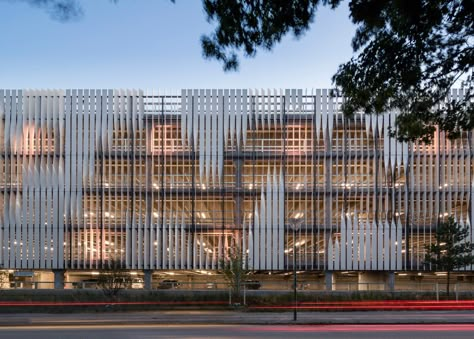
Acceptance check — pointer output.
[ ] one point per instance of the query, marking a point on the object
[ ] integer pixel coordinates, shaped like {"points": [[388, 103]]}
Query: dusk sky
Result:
{"points": [[155, 44]]}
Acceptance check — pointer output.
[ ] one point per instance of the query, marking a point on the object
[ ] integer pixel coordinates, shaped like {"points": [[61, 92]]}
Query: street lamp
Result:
{"points": [[295, 224]]}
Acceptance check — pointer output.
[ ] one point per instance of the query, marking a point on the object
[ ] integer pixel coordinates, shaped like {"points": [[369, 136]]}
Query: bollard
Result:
{"points": [[437, 292]]}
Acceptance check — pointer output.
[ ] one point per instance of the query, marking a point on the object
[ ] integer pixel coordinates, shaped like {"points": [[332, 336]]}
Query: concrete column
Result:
{"points": [[148, 279], [391, 281], [58, 279], [329, 280]]}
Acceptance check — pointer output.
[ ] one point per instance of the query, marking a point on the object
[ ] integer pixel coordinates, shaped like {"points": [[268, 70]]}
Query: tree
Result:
{"points": [[408, 54], [114, 279], [233, 267], [411, 54], [450, 250]]}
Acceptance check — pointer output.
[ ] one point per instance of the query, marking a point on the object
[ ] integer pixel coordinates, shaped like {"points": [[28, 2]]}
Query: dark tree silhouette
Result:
{"points": [[61, 10], [113, 279], [408, 54], [451, 250]]}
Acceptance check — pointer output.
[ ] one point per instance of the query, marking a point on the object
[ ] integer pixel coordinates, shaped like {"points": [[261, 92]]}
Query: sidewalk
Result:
{"points": [[237, 317]]}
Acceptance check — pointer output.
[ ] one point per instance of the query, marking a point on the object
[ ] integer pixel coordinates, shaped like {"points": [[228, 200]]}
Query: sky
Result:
{"points": [[156, 44]]}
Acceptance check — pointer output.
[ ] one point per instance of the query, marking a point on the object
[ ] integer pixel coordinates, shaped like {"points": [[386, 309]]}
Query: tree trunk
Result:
{"points": [[447, 284]]}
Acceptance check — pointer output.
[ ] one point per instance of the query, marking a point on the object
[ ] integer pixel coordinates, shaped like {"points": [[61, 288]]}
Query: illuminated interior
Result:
{"points": [[173, 181]]}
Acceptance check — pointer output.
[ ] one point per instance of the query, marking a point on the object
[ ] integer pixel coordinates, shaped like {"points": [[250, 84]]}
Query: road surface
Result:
{"points": [[431, 331], [236, 318]]}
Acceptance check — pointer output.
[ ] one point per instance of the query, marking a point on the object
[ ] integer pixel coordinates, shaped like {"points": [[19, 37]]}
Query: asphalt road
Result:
{"points": [[431, 331], [204, 317]]}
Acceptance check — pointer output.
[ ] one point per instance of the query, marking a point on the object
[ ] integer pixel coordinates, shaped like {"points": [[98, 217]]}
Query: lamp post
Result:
{"points": [[295, 225]]}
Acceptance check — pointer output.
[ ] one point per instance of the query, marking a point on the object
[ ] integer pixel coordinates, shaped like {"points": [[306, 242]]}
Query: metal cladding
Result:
{"points": [[175, 180]]}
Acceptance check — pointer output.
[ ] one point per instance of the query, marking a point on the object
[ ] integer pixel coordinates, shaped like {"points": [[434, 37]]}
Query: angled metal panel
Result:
{"points": [[344, 259], [245, 116], [263, 230], [275, 222], [269, 221]]}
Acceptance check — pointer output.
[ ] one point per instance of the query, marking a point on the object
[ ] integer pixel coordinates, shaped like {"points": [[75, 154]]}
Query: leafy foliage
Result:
{"points": [[114, 279], [409, 54], [61, 10], [451, 250], [233, 267], [251, 24]]}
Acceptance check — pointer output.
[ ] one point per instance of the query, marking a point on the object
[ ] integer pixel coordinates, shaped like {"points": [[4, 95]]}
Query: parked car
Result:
{"points": [[88, 283], [168, 284], [252, 284], [211, 285], [137, 283]]}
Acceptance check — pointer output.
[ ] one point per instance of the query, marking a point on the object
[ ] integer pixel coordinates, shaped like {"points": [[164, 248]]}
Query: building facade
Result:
{"points": [[173, 181]]}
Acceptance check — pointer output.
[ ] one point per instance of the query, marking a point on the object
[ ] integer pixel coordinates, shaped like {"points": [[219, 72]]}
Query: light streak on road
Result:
{"points": [[363, 328]]}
